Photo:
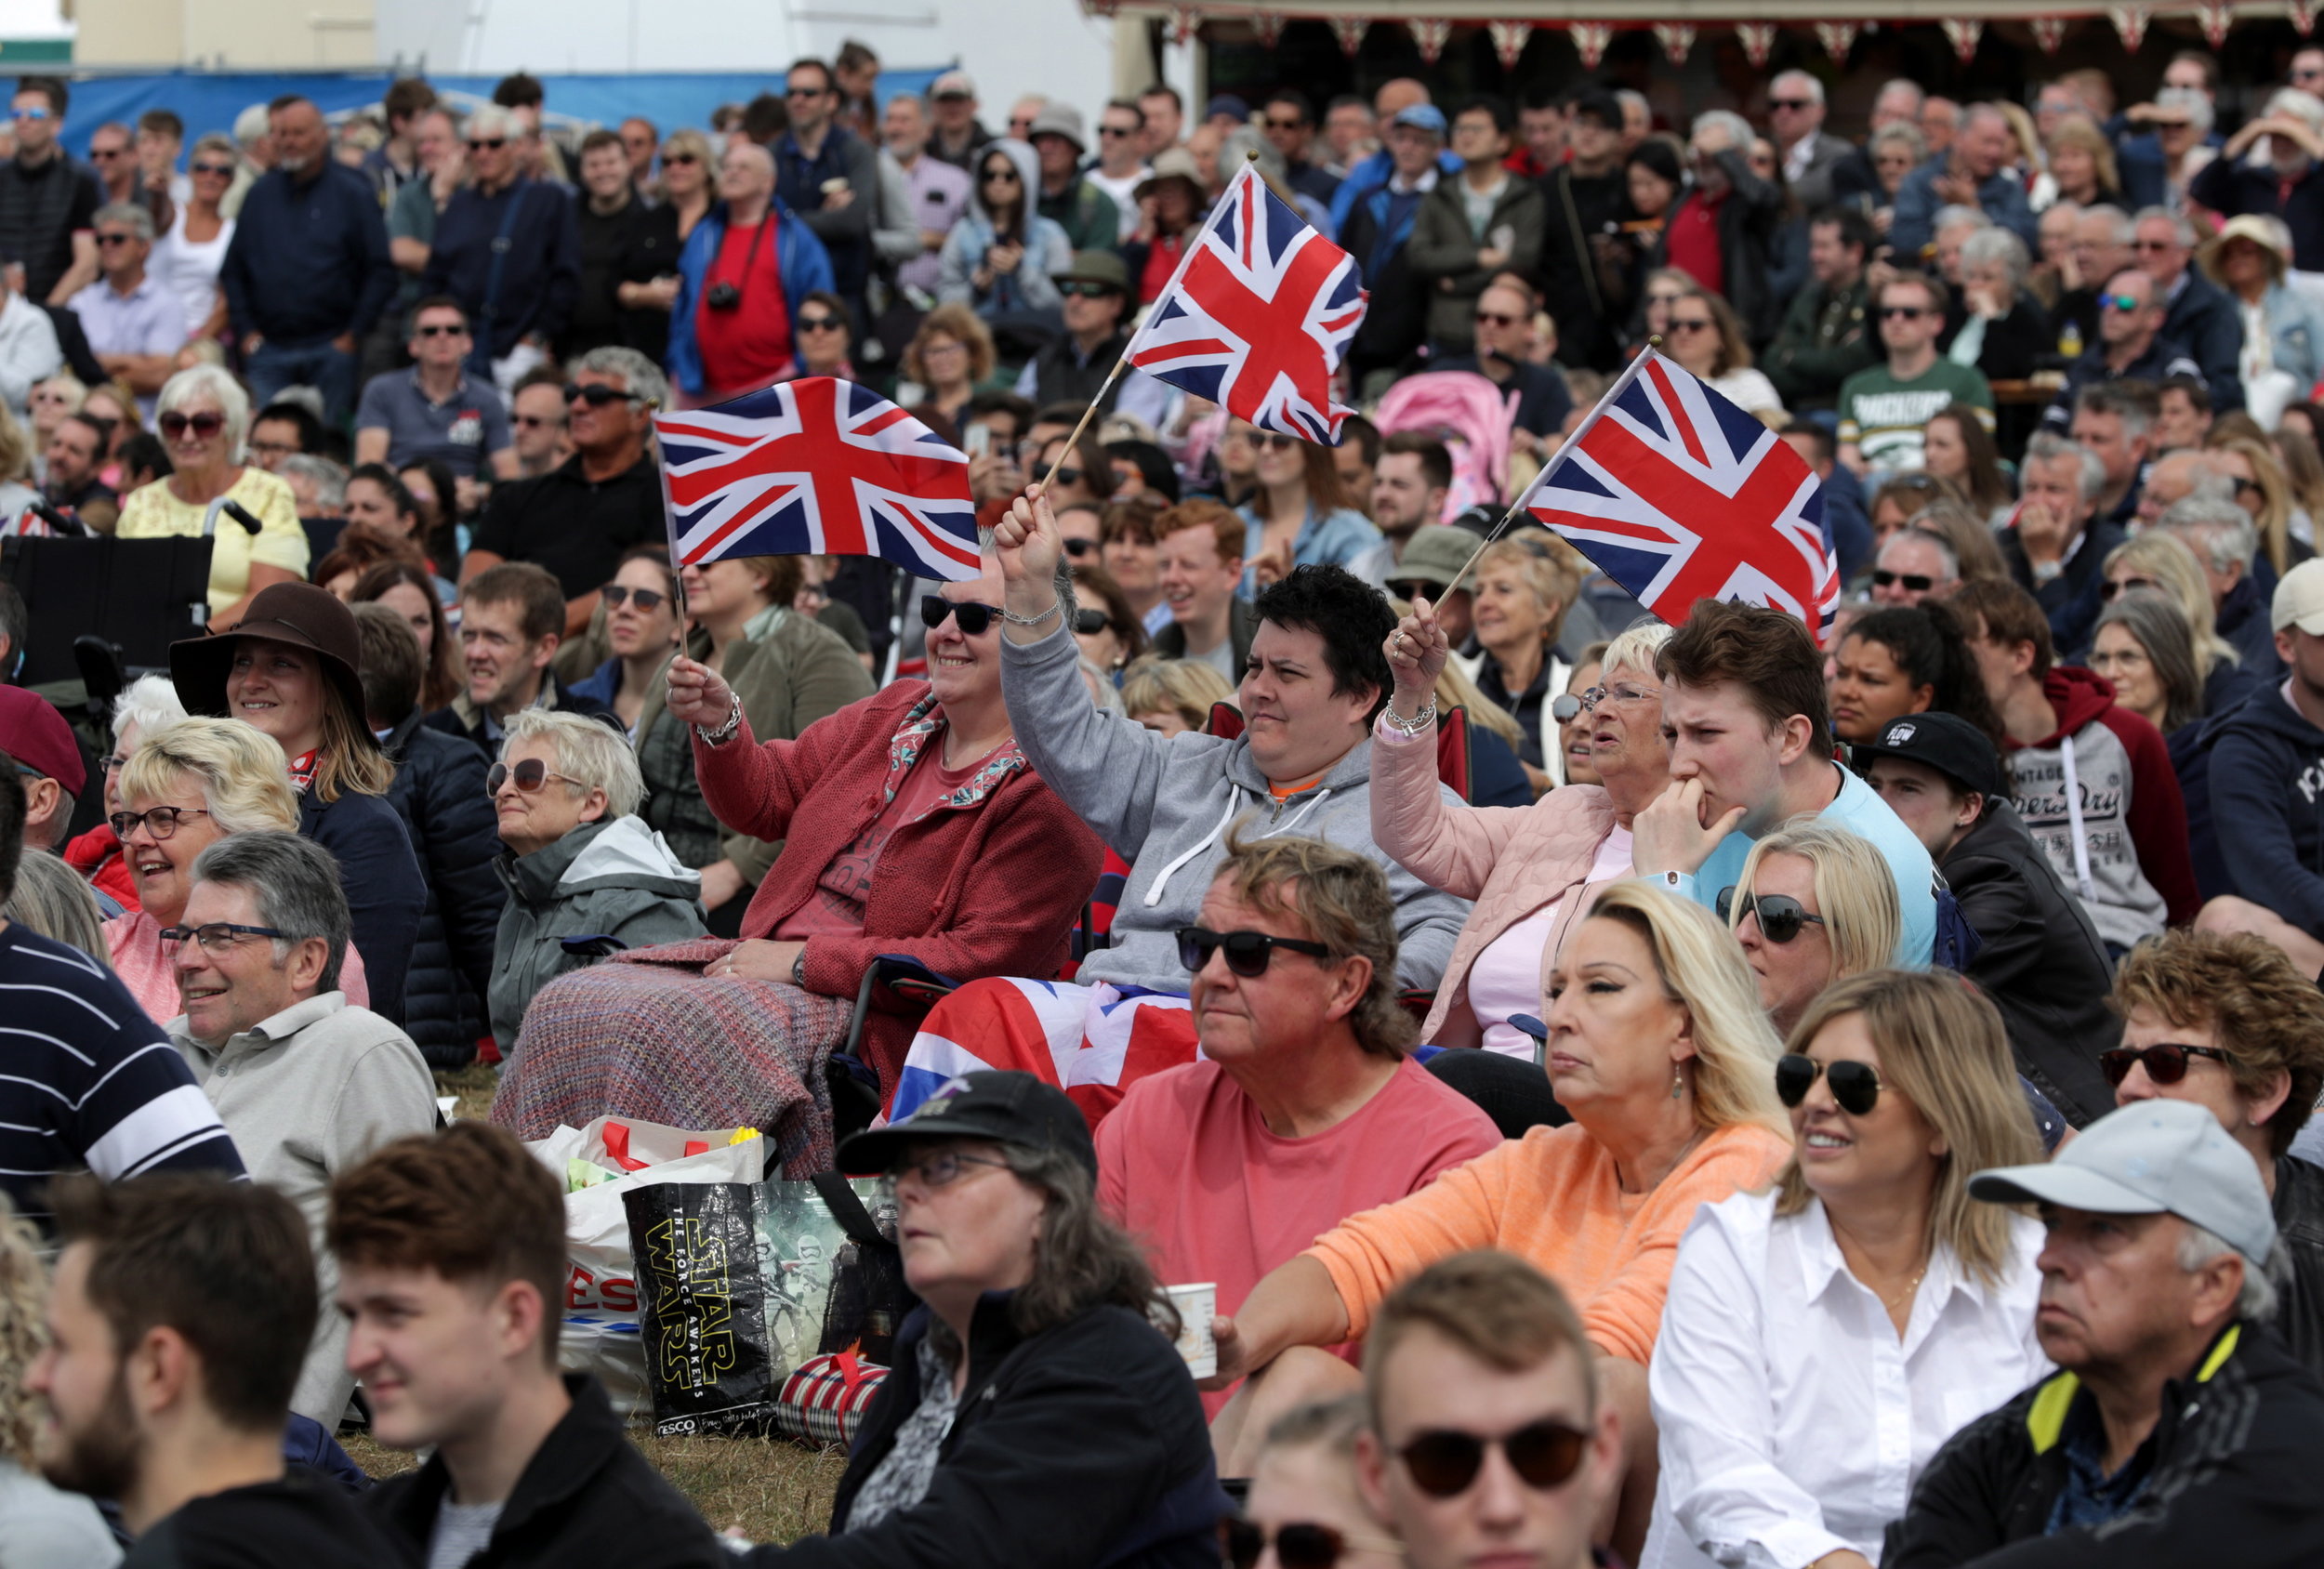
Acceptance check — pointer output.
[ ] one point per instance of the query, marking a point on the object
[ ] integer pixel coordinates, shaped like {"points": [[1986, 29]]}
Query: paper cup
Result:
{"points": [[1196, 1305]]}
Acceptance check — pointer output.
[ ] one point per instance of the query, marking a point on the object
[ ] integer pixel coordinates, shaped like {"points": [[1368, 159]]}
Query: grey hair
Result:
{"points": [[640, 376], [587, 751], [2305, 106], [214, 383], [2049, 446], [1994, 244], [2071, 211], [491, 120], [1736, 127], [2212, 524], [50, 898], [1903, 84], [2199, 113], [1904, 132], [2113, 218], [1635, 647], [1983, 111], [1943, 546], [1628, 96], [297, 884], [2179, 225], [2157, 624], [128, 214], [2257, 1299], [1813, 84], [149, 703], [1958, 217], [1064, 578], [330, 478]]}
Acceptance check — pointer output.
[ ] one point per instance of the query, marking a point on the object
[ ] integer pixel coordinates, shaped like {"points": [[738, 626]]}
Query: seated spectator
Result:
{"points": [[2134, 879], [1524, 587], [48, 765], [1304, 1489], [2040, 958], [1498, 352], [1706, 337], [203, 416], [1744, 703], [1484, 1340], [1411, 474], [1485, 222], [69, 480], [1859, 1308], [202, 1293], [1995, 324], [48, 1527], [1905, 659], [789, 672], [1914, 566], [2080, 160], [2058, 548], [640, 632], [2131, 345], [1813, 905], [1172, 696], [411, 592], [438, 792], [2224, 544], [1300, 514], [2264, 490], [2114, 420], [949, 360], [293, 676], [2281, 342], [826, 335], [2227, 1023], [305, 1082], [1532, 874], [1826, 333], [1884, 408], [1974, 172], [464, 1233], [134, 321], [2168, 1428], [52, 901], [1132, 553], [1958, 448], [2146, 649], [2284, 183], [2186, 416], [1304, 1108], [1199, 547], [1002, 257], [539, 423], [436, 409], [580, 862], [901, 814], [512, 620], [286, 429]]}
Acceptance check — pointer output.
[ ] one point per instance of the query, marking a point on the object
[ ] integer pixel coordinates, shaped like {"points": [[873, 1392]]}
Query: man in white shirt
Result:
{"points": [[134, 322], [28, 346], [1121, 160]]}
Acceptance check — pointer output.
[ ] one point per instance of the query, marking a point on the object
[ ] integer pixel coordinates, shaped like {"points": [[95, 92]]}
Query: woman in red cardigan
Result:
{"points": [[913, 824]]}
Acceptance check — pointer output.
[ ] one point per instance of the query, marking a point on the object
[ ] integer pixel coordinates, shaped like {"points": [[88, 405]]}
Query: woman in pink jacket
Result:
{"points": [[1531, 870]]}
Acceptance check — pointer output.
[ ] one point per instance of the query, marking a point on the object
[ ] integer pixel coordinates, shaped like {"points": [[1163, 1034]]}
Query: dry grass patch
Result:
{"points": [[473, 1085]]}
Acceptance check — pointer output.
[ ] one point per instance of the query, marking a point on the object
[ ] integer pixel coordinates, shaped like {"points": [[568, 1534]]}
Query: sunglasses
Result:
{"points": [[1090, 622], [1117, 130], [1408, 588], [1701, 324], [1789, 103], [1284, 124], [2125, 586], [616, 595], [440, 329], [2122, 302], [1084, 289], [1273, 440], [819, 323], [1078, 549], [30, 113], [1902, 312], [1445, 1463], [117, 239], [1856, 1089], [532, 775], [1566, 707], [1780, 915], [524, 421], [1488, 319], [1917, 583], [686, 158], [204, 425], [970, 616], [220, 937], [2165, 1062], [109, 153], [1000, 176], [480, 144], [596, 394], [161, 822], [1067, 474], [1248, 953], [1298, 1545]]}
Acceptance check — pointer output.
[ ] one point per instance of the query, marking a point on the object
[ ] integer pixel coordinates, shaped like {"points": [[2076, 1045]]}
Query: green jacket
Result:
{"points": [[1443, 252], [1087, 215], [789, 672], [1826, 338]]}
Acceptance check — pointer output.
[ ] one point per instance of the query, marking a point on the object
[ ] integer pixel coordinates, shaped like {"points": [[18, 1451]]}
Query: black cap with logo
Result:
{"points": [[1008, 1108], [1945, 742]]}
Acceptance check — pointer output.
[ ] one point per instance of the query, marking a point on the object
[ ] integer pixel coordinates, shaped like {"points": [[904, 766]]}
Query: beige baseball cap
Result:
{"points": [[2300, 598]]}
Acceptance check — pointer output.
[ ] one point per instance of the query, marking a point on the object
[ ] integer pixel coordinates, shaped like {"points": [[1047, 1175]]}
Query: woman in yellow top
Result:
{"points": [[204, 415]]}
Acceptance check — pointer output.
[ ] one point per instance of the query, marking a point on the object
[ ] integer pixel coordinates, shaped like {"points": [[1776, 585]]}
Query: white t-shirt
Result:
{"points": [[1506, 978], [1120, 191]]}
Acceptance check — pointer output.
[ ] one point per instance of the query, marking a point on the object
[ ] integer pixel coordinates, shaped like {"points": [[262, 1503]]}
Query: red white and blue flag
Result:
{"points": [[1256, 316], [815, 467], [1679, 495]]}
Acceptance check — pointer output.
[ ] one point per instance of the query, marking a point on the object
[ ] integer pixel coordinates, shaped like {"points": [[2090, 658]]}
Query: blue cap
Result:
{"points": [[1426, 116], [1228, 104]]}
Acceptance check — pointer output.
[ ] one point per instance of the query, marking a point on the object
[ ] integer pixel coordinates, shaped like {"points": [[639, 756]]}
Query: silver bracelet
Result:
{"points": [[725, 732], [1015, 620], [1412, 727]]}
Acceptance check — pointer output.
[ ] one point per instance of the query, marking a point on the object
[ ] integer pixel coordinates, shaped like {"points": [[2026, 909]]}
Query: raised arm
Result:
{"points": [[1448, 847]]}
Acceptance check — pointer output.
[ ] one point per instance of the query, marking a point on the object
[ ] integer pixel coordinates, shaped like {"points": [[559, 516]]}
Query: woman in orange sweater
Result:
{"points": [[1657, 1047]]}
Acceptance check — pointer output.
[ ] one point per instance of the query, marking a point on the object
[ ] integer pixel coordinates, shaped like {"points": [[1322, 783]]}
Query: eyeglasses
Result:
{"points": [[532, 776], [1445, 1463], [970, 616], [220, 937], [1855, 1087], [160, 822], [1117, 130], [1298, 1545], [1492, 319], [525, 421], [1914, 582], [1623, 696], [2165, 1062], [596, 394], [1691, 324], [1248, 953], [1794, 104], [1284, 124], [819, 323], [616, 595], [1903, 313], [441, 329], [805, 92], [1780, 915], [1067, 474], [108, 153], [204, 425], [1083, 288], [1090, 622], [2113, 587], [117, 239], [2122, 302], [939, 1170], [222, 171], [2154, 245], [482, 144]]}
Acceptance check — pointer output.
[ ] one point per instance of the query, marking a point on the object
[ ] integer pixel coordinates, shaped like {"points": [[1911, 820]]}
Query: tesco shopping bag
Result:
{"points": [[701, 1307]]}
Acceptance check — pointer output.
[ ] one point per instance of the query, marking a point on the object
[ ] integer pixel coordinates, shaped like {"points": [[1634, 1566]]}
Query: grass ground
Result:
{"points": [[771, 1490]]}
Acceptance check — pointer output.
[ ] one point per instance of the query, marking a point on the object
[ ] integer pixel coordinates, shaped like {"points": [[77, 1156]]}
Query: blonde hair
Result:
{"points": [[23, 1333], [245, 782], [51, 899], [587, 751], [2274, 522], [1344, 902], [1184, 687], [1941, 1046], [2172, 563], [1702, 969], [2075, 131], [1854, 892], [1546, 564], [349, 757], [962, 324], [16, 446]]}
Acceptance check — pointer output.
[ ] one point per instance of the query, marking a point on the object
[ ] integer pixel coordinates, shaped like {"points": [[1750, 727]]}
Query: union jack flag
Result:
{"points": [[815, 467], [1256, 316], [1679, 495]]}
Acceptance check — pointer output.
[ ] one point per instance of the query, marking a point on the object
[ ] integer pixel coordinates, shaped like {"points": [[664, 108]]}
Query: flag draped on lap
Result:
{"points": [[815, 467], [1679, 495], [1256, 316]]}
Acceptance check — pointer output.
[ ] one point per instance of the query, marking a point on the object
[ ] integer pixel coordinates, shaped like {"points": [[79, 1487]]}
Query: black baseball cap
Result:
{"points": [[1945, 742], [1008, 1108]]}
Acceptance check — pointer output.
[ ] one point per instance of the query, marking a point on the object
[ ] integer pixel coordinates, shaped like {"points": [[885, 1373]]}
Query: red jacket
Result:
{"points": [[97, 856], [990, 888]]}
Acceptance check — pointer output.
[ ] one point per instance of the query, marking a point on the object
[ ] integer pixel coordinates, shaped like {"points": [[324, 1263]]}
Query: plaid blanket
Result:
{"points": [[644, 1035]]}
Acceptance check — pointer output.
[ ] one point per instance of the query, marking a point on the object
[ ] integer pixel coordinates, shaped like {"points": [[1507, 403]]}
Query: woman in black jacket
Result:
{"points": [[1036, 1418], [288, 668]]}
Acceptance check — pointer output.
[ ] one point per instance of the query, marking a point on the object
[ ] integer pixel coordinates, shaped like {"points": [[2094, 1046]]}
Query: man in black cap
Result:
{"points": [[2041, 960], [1072, 369]]}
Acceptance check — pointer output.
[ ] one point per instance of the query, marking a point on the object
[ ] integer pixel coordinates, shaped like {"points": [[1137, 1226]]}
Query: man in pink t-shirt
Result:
{"points": [[1303, 1108]]}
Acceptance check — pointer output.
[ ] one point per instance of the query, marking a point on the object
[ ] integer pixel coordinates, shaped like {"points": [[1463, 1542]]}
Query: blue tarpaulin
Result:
{"points": [[210, 100]]}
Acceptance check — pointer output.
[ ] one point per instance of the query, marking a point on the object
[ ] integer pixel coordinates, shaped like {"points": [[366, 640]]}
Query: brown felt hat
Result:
{"points": [[299, 613]]}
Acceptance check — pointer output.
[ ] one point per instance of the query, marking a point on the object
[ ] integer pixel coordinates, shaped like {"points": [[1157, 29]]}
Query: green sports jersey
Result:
{"points": [[1883, 414]]}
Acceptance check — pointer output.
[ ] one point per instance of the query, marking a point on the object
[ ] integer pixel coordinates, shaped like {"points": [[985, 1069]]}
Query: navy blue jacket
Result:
{"points": [[539, 281], [845, 232], [2266, 807], [2069, 600], [385, 891], [439, 791], [308, 261]]}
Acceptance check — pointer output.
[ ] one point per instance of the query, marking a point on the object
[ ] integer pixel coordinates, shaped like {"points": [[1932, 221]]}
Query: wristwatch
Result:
{"points": [[799, 969]]}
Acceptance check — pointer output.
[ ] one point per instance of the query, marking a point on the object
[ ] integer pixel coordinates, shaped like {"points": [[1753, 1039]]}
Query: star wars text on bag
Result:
{"points": [[702, 1309]]}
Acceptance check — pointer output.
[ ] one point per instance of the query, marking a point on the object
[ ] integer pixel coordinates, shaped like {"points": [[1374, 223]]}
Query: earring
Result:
{"points": [[1678, 1082]]}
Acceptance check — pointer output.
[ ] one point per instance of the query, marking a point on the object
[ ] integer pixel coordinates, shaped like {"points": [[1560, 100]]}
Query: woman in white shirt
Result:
{"points": [[188, 259], [1822, 1338], [1706, 337]]}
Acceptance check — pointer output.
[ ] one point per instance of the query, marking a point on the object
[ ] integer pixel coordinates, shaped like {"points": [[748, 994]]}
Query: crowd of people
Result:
{"points": [[1634, 1092]]}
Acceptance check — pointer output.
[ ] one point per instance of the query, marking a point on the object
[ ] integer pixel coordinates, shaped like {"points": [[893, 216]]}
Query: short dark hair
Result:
{"points": [[766, 117], [602, 138], [1765, 651], [50, 87], [2008, 614], [405, 96], [225, 1264], [399, 495], [1365, 434], [521, 91], [1351, 616], [1297, 99], [550, 375], [1823, 439], [392, 668], [533, 590], [1940, 298], [12, 812], [144, 454], [469, 1203], [16, 626], [299, 415], [1594, 101], [1153, 464], [1436, 466], [1855, 228], [2196, 389], [162, 122], [281, 102], [450, 302], [1132, 105], [1017, 408], [810, 63], [854, 54], [1491, 104], [1163, 89], [2133, 400]]}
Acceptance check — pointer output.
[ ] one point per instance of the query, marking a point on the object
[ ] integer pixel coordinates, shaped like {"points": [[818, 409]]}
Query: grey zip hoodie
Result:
{"points": [[1166, 804]]}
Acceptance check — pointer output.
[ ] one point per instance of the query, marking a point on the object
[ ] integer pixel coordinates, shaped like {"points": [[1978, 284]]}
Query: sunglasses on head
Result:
{"points": [[619, 594], [1248, 953], [204, 425], [1445, 1463], [531, 775], [596, 394], [1917, 583], [970, 616], [1780, 915], [2114, 587], [2165, 1062], [1855, 1087], [1298, 1545]]}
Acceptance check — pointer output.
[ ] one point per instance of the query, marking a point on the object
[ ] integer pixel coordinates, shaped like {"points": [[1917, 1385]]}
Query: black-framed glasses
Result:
{"points": [[441, 329], [1298, 1545], [596, 394], [820, 325], [1444, 1463], [531, 774], [970, 616], [1793, 104], [160, 822], [204, 425], [2165, 1062], [1855, 1086], [2113, 587], [220, 937], [1079, 548], [1780, 915], [1274, 124], [1248, 953], [1105, 130], [619, 594], [1904, 312], [117, 239], [1067, 473], [1914, 582], [1408, 587], [1000, 176], [486, 144]]}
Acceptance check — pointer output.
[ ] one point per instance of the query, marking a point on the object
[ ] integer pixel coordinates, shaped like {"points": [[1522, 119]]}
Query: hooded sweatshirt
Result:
{"points": [[1166, 804], [2099, 796], [1047, 251], [2267, 807], [611, 879]]}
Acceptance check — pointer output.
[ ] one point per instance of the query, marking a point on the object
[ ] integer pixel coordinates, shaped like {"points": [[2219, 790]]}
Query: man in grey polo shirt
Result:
{"points": [[436, 409]]}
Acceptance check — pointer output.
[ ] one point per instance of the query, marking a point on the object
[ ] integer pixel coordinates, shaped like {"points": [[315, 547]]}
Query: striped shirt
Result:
{"points": [[86, 1080]]}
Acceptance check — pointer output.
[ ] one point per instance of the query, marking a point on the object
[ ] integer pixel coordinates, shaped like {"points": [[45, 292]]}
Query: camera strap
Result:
{"points": [[750, 258]]}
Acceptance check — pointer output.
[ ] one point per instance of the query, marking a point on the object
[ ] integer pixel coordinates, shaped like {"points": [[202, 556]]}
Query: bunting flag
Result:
{"points": [[1759, 42], [1430, 35], [1676, 38], [1838, 38], [1509, 41], [1591, 39]]}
